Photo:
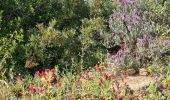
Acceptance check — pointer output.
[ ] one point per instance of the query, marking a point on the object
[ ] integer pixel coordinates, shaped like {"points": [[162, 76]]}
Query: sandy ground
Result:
{"points": [[138, 82]]}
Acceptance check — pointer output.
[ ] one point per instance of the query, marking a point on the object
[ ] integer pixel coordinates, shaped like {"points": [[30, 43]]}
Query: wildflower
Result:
{"points": [[105, 75], [122, 98], [19, 78], [37, 73], [114, 14], [27, 94], [158, 83], [41, 89], [86, 72], [53, 70], [90, 78], [44, 73], [113, 88], [96, 66], [118, 57], [118, 85], [167, 40], [110, 77], [142, 93], [100, 71], [105, 65], [125, 84], [140, 41], [47, 70], [52, 77], [131, 98], [102, 98], [86, 77], [100, 81], [91, 97], [115, 96], [134, 17], [49, 77], [81, 76], [33, 88]]}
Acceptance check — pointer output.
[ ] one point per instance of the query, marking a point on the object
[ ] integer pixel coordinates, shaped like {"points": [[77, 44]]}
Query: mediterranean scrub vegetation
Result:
{"points": [[84, 49]]}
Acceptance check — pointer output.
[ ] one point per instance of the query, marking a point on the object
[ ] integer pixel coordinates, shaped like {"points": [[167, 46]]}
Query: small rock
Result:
{"points": [[130, 72], [143, 72]]}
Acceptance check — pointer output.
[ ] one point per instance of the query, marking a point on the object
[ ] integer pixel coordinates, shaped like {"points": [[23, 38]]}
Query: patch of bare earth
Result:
{"points": [[134, 81], [137, 82]]}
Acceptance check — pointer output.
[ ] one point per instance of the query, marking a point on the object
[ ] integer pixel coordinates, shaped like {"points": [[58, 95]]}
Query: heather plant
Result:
{"points": [[135, 27], [151, 48]]}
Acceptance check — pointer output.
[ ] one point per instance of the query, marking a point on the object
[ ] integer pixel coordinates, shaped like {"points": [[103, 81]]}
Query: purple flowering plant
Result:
{"points": [[137, 30]]}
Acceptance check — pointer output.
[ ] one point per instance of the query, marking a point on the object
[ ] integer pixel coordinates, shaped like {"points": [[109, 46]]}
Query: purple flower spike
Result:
{"points": [[122, 17], [135, 17], [140, 41], [167, 40], [114, 14]]}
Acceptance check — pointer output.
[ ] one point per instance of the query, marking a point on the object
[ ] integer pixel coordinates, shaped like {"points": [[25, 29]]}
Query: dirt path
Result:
{"points": [[138, 82]]}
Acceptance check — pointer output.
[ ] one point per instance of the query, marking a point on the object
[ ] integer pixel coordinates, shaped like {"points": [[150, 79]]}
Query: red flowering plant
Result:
{"points": [[119, 90], [101, 83], [46, 76], [36, 89], [42, 82], [96, 81], [19, 78]]}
